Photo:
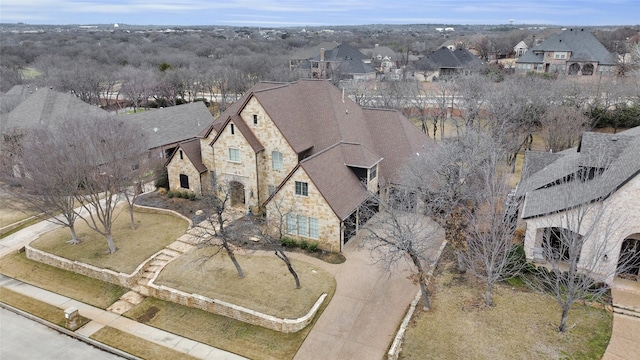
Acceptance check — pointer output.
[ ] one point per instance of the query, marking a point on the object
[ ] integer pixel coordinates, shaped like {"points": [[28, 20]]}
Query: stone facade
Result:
{"points": [[616, 219], [273, 141], [314, 206], [230, 171], [181, 165]]}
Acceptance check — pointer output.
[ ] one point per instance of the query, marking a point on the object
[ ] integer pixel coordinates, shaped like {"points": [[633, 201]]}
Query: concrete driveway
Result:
{"points": [[365, 312]]}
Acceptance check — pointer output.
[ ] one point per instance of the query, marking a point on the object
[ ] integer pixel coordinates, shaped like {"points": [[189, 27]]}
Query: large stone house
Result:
{"points": [[443, 63], [302, 146], [342, 62], [602, 175], [574, 52]]}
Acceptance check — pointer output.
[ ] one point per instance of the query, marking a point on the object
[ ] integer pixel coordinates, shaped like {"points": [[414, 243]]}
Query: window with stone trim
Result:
{"points": [[234, 154], [276, 160], [302, 188], [301, 225]]}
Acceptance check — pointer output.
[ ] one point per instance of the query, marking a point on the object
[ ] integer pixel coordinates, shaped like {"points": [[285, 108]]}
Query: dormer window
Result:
{"points": [[373, 172]]}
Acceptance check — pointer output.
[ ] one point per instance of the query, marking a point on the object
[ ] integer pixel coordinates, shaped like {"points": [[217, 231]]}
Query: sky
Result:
{"points": [[305, 13]]}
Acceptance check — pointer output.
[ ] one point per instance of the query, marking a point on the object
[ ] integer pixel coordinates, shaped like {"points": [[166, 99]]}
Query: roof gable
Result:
{"points": [[615, 155]]}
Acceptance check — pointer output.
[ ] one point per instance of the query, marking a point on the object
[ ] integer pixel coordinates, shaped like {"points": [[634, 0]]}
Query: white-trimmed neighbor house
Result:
{"points": [[603, 170], [303, 146]]}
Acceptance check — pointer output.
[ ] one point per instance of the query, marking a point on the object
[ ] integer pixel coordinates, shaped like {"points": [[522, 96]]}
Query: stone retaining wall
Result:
{"points": [[113, 277], [234, 311]]}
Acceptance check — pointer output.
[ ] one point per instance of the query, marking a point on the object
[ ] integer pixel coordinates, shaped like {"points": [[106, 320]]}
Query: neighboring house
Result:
{"points": [[326, 64], [35, 107], [574, 52], [303, 55], [171, 125], [305, 148], [520, 49], [443, 63], [383, 59], [603, 166], [43, 107]]}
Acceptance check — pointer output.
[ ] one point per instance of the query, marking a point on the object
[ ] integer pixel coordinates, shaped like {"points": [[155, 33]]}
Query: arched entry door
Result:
{"points": [[629, 260], [236, 191]]}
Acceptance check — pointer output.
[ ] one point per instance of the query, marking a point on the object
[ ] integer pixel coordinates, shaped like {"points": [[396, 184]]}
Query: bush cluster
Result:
{"points": [[181, 194], [310, 246]]}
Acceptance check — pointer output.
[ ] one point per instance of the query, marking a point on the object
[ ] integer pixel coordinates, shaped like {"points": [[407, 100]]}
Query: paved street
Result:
{"points": [[21, 338]]}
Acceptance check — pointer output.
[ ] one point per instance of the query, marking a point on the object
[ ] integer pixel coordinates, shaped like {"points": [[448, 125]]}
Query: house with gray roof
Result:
{"points": [[305, 147], [328, 64], [169, 126], [444, 62], [573, 52], [603, 172]]}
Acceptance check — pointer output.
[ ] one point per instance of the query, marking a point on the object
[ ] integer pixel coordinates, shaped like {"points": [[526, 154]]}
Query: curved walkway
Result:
{"points": [[625, 337]]}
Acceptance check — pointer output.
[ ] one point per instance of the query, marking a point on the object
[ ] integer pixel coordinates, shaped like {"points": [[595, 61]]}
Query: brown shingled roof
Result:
{"points": [[191, 149], [336, 182]]}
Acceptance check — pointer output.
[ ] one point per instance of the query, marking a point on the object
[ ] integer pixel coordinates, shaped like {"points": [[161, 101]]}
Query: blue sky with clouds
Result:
{"points": [[285, 13]]}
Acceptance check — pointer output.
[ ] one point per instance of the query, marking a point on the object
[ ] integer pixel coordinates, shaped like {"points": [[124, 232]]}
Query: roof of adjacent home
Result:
{"points": [[445, 58], [580, 42], [550, 182], [44, 106], [342, 52], [173, 124], [317, 119]]}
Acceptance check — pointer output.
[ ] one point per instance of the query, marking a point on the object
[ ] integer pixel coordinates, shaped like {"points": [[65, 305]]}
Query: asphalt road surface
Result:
{"points": [[21, 338]]}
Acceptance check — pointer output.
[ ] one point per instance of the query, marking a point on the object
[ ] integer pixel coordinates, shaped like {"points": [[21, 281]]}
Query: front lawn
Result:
{"points": [[251, 341], [521, 325], [152, 233], [91, 291], [268, 286]]}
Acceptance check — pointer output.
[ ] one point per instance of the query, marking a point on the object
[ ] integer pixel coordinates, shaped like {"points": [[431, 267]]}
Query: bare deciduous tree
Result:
{"points": [[214, 231], [107, 149], [275, 231], [396, 235], [561, 127], [49, 183], [491, 225]]}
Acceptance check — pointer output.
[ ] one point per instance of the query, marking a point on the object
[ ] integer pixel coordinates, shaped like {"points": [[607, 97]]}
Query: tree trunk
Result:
{"points": [[488, 296], [426, 305], [74, 237], [282, 256], [133, 223], [563, 319], [234, 260], [110, 243], [462, 266]]}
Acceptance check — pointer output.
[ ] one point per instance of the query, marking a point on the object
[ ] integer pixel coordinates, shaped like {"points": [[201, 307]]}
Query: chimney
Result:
{"points": [[321, 54]]}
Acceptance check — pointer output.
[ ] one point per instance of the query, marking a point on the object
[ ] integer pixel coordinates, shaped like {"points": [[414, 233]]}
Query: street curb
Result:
{"points": [[70, 333]]}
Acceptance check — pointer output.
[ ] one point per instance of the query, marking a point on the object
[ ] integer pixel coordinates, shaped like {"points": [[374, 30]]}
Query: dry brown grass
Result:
{"points": [[152, 233], [136, 346], [91, 291], [268, 286], [9, 214], [521, 325], [253, 342], [38, 308]]}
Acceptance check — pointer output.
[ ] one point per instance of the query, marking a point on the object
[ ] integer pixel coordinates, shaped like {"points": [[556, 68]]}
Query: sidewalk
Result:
{"points": [[101, 318], [624, 343]]}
